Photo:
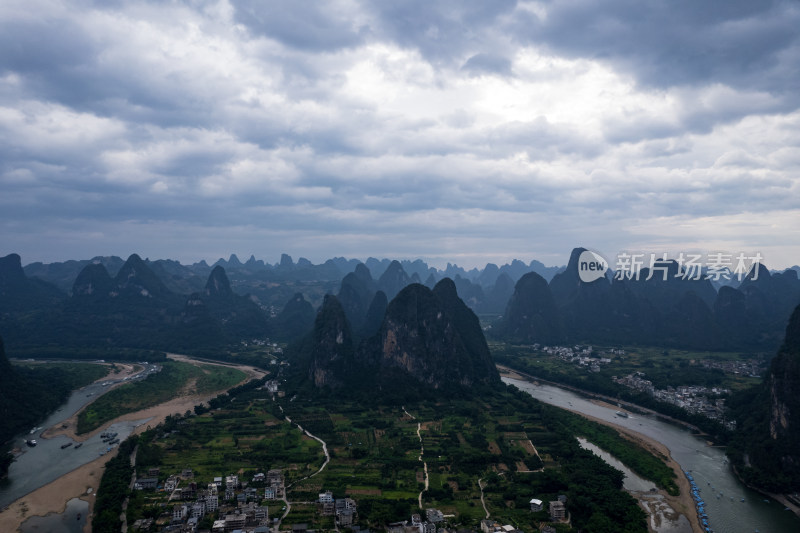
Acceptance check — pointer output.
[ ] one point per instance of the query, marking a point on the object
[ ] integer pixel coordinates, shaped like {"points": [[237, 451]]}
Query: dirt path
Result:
{"points": [[324, 450], [83, 481], [321, 468], [421, 453], [483, 502]]}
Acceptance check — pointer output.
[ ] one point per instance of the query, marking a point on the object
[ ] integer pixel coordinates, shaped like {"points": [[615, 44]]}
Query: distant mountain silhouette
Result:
{"points": [[499, 294], [532, 315], [63, 275], [237, 316], [114, 301], [393, 279], [296, 319], [269, 282], [662, 306], [375, 313], [218, 285], [18, 293], [355, 295]]}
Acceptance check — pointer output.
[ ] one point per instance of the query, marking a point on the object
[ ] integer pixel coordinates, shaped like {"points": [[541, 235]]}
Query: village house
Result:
{"points": [[434, 515], [212, 498], [179, 512], [345, 511], [189, 492], [558, 511], [191, 525], [171, 484], [146, 483], [235, 521], [489, 526]]}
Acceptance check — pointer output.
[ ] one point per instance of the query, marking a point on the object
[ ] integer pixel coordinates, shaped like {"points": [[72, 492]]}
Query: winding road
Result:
{"points": [[421, 453], [321, 468]]}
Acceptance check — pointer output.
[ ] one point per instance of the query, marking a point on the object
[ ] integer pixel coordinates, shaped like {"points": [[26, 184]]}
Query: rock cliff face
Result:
{"points": [[783, 384], [5, 365], [427, 338], [766, 446], [434, 337], [332, 346]]}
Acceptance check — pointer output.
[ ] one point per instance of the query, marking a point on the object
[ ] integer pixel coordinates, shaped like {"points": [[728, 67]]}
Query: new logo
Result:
{"points": [[591, 266]]}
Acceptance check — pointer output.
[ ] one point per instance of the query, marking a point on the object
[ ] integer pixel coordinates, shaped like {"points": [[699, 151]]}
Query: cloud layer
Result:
{"points": [[466, 131]]}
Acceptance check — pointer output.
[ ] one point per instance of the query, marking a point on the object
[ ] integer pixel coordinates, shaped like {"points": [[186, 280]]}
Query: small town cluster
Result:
{"points": [[242, 507], [580, 355], [751, 367], [695, 399], [239, 504]]}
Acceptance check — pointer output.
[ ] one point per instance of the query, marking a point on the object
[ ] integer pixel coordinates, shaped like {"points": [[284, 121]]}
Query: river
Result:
{"points": [[37, 466], [720, 488]]}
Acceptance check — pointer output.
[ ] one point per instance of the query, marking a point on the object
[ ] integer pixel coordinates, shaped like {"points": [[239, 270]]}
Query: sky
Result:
{"points": [[461, 131]]}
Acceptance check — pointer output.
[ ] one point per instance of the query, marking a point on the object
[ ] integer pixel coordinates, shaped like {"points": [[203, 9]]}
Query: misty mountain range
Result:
{"points": [[165, 305]]}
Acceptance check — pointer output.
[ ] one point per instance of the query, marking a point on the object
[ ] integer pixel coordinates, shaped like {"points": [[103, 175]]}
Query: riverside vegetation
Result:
{"points": [[155, 389]]}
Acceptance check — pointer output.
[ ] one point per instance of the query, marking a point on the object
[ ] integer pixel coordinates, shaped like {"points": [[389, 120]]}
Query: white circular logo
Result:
{"points": [[591, 266]]}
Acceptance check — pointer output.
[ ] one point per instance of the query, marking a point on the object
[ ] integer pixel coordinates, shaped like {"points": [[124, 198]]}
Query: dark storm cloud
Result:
{"points": [[304, 25], [665, 43], [444, 32]]}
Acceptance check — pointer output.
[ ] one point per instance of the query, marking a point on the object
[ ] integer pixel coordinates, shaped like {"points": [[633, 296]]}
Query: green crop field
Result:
{"points": [[375, 453]]}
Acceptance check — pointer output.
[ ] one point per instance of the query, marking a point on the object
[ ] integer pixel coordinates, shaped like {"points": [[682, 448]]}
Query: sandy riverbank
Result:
{"points": [[682, 504], [53, 497]]}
